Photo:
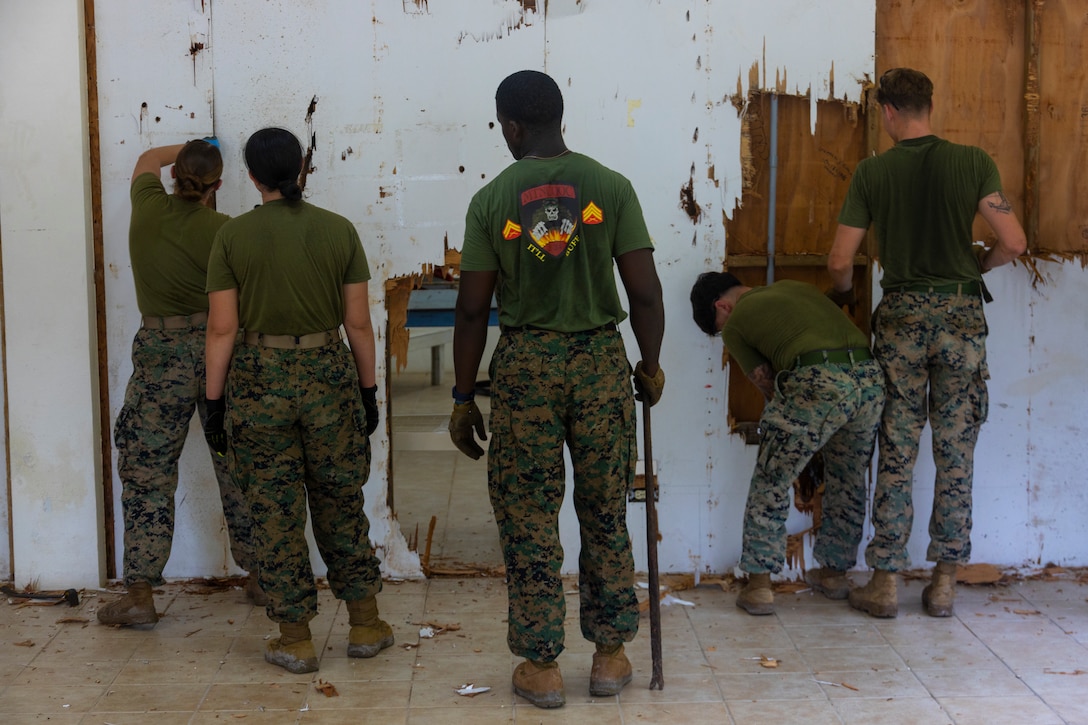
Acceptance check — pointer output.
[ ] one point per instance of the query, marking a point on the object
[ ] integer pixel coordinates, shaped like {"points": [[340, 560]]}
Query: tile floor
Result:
{"points": [[1011, 654], [1014, 654]]}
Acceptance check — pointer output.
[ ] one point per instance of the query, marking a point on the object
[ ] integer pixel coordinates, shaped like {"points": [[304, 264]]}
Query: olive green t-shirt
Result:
{"points": [[169, 240], [776, 323], [551, 229], [289, 262], [921, 196]]}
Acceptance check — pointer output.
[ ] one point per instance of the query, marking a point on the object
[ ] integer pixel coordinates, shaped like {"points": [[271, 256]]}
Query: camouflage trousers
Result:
{"points": [[933, 351], [166, 386], [298, 438], [828, 407], [549, 389]]}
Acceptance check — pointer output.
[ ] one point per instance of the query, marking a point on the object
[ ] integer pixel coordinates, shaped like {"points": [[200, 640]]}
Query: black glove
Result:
{"points": [[648, 388], [370, 407], [467, 417], [214, 432], [848, 299]]}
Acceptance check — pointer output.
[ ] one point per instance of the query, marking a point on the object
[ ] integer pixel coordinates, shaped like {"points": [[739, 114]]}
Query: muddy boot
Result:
{"points": [[757, 597], [611, 671], [541, 683], [135, 609], [369, 635], [878, 597], [832, 583], [938, 595], [294, 649], [254, 592]]}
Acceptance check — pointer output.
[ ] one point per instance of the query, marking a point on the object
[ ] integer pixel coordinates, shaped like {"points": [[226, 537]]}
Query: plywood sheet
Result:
{"points": [[1034, 124], [1063, 127], [813, 173]]}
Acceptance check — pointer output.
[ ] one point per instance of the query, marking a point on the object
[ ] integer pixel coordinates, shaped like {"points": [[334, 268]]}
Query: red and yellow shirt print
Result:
{"points": [[550, 215]]}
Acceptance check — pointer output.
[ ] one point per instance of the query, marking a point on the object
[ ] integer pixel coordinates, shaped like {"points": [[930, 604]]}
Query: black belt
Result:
{"points": [[840, 356], [611, 326], [973, 289]]}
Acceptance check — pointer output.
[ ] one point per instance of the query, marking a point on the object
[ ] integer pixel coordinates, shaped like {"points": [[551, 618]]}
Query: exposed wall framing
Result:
{"points": [[813, 173]]}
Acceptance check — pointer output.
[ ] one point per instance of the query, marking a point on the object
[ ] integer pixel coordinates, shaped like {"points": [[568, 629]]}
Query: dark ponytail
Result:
{"points": [[196, 170], [274, 157]]}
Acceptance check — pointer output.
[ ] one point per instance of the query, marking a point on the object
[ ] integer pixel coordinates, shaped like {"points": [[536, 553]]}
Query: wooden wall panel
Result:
{"points": [[1034, 124], [1063, 127], [973, 51]]}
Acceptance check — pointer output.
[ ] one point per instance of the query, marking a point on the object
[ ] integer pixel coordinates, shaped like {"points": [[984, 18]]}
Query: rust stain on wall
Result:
{"points": [[687, 199], [307, 162]]}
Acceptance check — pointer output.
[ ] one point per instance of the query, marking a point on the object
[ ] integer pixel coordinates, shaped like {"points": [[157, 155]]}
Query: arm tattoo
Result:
{"points": [[763, 378], [1004, 206]]}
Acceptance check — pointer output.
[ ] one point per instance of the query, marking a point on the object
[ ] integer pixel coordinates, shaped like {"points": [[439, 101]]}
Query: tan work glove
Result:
{"points": [[467, 417], [848, 299], [648, 387]]}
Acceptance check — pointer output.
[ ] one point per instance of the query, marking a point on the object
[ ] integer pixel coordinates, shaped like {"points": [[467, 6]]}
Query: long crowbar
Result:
{"points": [[657, 680]]}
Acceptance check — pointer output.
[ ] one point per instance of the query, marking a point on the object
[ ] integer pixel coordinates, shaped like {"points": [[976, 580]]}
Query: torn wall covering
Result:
{"points": [[408, 88]]}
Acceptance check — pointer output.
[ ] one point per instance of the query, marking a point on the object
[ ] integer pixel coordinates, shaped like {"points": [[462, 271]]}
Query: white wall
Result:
{"points": [[405, 100], [51, 353]]}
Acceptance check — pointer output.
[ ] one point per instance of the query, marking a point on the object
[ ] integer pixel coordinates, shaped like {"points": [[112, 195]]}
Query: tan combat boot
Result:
{"points": [[294, 649], [611, 671], [938, 595], [756, 597], [879, 597], [135, 609], [541, 683], [254, 592], [369, 635], [832, 583]]}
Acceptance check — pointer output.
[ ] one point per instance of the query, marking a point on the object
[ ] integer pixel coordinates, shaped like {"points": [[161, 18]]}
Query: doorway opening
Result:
{"points": [[437, 494]]}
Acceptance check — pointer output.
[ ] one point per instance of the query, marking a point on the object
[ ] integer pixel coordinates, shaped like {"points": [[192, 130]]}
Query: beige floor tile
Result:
{"points": [[1073, 706], [689, 713], [248, 717], [953, 653], [809, 712], [258, 696], [967, 681], [886, 684], [161, 697], [891, 711], [373, 716], [139, 718], [991, 710], [841, 659], [180, 670], [489, 716], [356, 695], [573, 713], [771, 685], [677, 688], [49, 699], [74, 673], [751, 660], [855, 634], [436, 680]]}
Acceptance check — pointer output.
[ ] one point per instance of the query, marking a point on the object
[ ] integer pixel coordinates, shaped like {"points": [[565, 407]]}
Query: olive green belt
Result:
{"points": [[175, 322], [292, 342]]}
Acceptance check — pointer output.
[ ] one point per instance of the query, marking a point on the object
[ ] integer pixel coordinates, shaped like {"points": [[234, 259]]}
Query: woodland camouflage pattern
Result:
{"points": [[298, 432], [166, 386], [549, 388], [939, 339], [831, 407]]}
